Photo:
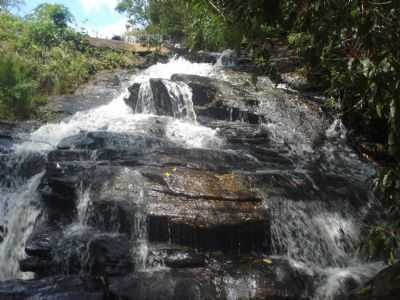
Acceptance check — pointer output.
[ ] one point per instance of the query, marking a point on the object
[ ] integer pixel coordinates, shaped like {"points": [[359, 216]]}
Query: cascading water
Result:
{"points": [[18, 200], [227, 58], [322, 234], [318, 233], [20, 221]]}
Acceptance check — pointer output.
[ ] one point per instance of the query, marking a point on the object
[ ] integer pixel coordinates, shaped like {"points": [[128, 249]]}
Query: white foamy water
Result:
{"points": [[190, 135], [119, 117], [21, 220], [84, 201], [240, 288], [175, 66], [337, 282], [181, 95]]}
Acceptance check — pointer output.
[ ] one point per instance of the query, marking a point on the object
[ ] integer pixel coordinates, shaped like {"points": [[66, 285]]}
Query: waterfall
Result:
{"points": [[318, 232], [179, 100], [181, 96], [227, 58], [20, 222], [145, 103], [20, 205]]}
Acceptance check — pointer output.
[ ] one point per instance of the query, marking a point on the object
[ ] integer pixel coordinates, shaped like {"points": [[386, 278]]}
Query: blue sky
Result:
{"points": [[97, 16]]}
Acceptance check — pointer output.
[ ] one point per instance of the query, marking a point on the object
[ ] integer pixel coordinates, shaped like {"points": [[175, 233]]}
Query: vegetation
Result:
{"points": [[41, 55], [349, 49]]}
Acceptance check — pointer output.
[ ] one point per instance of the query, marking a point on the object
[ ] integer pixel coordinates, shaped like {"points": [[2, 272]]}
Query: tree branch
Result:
{"points": [[219, 11]]}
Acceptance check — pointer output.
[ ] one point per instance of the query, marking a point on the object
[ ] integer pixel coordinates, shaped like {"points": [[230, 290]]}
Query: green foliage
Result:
{"points": [[383, 242], [18, 90], [137, 10], [300, 41], [203, 24], [43, 56], [57, 14], [350, 52]]}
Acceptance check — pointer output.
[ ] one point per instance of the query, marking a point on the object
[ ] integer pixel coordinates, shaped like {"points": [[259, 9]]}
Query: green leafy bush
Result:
{"points": [[18, 91], [45, 57]]}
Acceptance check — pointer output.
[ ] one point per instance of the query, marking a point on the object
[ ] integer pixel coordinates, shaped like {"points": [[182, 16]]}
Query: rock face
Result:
{"points": [[99, 91], [140, 215], [54, 288], [385, 286]]}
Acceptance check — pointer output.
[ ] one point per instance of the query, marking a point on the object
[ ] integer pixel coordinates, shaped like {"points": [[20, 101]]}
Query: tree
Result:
{"points": [[9, 4], [57, 14], [136, 10]]}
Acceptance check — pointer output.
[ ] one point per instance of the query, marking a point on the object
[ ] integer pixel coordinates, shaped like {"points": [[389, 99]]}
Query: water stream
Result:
{"points": [[320, 234]]}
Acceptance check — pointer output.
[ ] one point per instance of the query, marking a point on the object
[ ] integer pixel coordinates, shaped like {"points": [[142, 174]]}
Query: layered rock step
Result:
{"points": [[182, 204], [145, 216]]}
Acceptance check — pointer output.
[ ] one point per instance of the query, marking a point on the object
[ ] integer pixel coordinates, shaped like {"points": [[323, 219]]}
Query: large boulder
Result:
{"points": [[195, 284], [217, 99], [384, 286], [76, 249], [53, 288], [267, 278]]}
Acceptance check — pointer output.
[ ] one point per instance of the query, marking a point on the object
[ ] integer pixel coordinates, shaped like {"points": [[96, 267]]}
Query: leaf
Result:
{"points": [[267, 261], [379, 110]]}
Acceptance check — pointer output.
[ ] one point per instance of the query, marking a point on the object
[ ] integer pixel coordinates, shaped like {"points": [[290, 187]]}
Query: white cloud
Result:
{"points": [[96, 5], [108, 31]]}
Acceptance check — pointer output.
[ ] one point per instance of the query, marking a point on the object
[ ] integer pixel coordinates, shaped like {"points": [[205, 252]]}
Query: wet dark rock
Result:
{"points": [[212, 99], [133, 96], [40, 266], [32, 164], [201, 201], [152, 59], [42, 241], [204, 205], [163, 103], [85, 250], [109, 255], [204, 91], [113, 216], [188, 259], [195, 284], [221, 111], [174, 256], [3, 232], [273, 278], [53, 288], [384, 286], [6, 143], [57, 188], [267, 278], [109, 140], [203, 57], [207, 91], [205, 185], [99, 91], [16, 168], [76, 249], [242, 237]]}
